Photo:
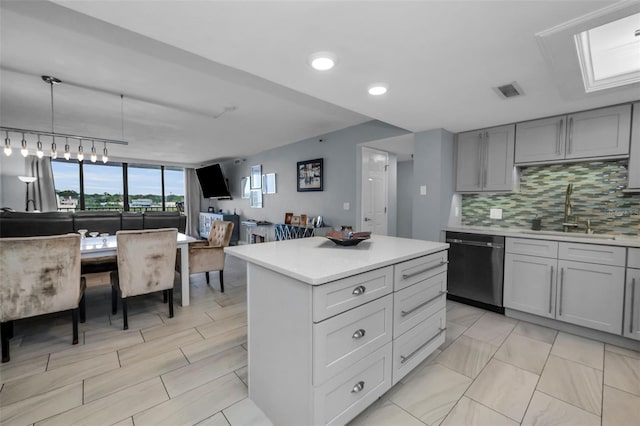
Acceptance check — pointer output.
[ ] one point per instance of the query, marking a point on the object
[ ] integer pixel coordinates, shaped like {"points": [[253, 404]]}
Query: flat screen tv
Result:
{"points": [[212, 182]]}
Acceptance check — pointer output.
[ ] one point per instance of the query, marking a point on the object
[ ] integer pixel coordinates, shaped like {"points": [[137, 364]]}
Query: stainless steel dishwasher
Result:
{"points": [[476, 269]]}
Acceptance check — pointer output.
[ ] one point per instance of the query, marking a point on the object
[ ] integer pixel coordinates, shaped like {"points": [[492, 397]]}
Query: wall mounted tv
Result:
{"points": [[212, 182]]}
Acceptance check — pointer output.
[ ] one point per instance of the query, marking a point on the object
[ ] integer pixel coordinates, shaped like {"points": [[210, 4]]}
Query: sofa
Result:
{"points": [[31, 224]]}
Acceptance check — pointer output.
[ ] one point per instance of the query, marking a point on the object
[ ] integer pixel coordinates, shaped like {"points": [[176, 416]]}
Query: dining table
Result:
{"points": [[92, 247]]}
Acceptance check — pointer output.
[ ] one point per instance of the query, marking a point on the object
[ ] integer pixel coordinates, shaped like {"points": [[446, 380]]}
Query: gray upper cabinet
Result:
{"points": [[634, 157], [600, 133], [485, 160]]}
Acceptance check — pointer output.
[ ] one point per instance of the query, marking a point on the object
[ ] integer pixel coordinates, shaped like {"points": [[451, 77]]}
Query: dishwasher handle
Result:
{"points": [[475, 243]]}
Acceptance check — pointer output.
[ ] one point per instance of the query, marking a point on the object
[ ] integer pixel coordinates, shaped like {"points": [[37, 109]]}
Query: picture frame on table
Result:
{"points": [[295, 220], [287, 218], [256, 176], [309, 175], [303, 220]]}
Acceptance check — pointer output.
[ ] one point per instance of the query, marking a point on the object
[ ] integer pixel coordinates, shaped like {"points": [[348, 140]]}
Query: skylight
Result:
{"points": [[609, 54]]}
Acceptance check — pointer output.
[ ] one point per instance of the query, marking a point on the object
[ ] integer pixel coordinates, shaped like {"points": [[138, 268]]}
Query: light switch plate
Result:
{"points": [[346, 206], [495, 213], [423, 189]]}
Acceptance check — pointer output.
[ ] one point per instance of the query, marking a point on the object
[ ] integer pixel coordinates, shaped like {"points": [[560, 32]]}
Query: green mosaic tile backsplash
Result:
{"points": [[597, 195]]}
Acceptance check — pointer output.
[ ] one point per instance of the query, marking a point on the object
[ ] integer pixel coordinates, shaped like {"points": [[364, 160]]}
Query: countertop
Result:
{"points": [[575, 237], [317, 260]]}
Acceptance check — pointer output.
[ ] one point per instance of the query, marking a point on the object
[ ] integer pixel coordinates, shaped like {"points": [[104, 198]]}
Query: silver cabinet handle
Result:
{"points": [[570, 135], [405, 313], [404, 359], [358, 334], [359, 290], [480, 159], [413, 274], [486, 159], [561, 285], [357, 387], [633, 301], [550, 289], [560, 129]]}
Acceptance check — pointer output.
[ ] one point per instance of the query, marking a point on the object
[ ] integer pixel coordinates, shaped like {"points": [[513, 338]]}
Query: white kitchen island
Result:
{"points": [[332, 328]]}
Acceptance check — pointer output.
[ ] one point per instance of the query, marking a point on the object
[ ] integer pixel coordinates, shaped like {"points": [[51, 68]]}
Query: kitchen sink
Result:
{"points": [[572, 234]]}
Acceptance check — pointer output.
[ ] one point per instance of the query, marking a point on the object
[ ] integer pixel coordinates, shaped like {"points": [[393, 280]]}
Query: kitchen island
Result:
{"points": [[332, 328]]}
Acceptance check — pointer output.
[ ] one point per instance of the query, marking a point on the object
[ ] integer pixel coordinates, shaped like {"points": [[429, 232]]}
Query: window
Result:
{"points": [[66, 179], [101, 186]]}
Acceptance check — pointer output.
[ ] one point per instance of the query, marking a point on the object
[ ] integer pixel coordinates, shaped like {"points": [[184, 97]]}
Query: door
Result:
{"points": [[632, 305], [499, 144], [599, 133], [374, 191], [469, 162], [591, 295], [529, 284], [541, 140]]}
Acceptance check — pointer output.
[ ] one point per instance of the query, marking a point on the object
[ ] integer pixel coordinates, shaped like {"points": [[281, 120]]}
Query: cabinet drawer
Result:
{"points": [[532, 247], [415, 345], [593, 253], [354, 389], [416, 270], [344, 339], [633, 259], [338, 296], [416, 303]]}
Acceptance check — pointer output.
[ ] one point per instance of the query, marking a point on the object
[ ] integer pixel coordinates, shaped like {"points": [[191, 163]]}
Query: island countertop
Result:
{"points": [[317, 260]]}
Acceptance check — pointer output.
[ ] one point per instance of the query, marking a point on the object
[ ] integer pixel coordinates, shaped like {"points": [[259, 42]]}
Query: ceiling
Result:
{"points": [[212, 80]]}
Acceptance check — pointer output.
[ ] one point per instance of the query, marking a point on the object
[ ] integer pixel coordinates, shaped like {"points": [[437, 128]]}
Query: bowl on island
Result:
{"points": [[347, 238]]}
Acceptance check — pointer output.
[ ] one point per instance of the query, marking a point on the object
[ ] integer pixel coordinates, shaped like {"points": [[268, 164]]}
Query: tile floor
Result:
{"points": [[192, 369]]}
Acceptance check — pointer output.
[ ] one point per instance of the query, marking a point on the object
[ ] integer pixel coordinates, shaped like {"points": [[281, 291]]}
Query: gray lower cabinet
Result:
{"points": [[600, 133], [582, 284], [634, 154], [631, 327], [485, 160]]}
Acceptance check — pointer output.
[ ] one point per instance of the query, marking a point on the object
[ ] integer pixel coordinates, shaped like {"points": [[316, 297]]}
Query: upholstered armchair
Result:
{"points": [[146, 260], [205, 256], [40, 275]]}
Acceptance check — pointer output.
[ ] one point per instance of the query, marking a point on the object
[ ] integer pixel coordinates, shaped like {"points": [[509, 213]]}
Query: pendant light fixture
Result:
{"points": [[24, 149], [7, 145], [67, 152], [80, 152]]}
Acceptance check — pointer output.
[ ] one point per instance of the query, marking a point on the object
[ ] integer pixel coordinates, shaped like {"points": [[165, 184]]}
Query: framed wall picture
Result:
{"points": [[245, 184], [269, 183], [256, 198], [256, 176], [309, 175]]}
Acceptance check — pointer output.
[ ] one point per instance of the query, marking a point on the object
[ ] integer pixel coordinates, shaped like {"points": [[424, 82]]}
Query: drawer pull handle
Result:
{"points": [[358, 387], [405, 313], [550, 290], [358, 334], [633, 301], [404, 359], [359, 290], [413, 274], [561, 285]]}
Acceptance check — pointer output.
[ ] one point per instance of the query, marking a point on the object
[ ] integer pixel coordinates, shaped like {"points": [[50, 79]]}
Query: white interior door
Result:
{"points": [[374, 191]]}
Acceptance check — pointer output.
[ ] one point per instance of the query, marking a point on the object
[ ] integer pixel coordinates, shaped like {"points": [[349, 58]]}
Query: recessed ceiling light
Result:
{"points": [[322, 61], [378, 89]]}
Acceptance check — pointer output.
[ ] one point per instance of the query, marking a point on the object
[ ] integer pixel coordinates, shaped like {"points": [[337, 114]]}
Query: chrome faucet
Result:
{"points": [[567, 222]]}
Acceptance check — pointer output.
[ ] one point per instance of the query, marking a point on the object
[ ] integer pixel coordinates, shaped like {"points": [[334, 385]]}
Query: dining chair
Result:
{"points": [[205, 256], [146, 261], [40, 275]]}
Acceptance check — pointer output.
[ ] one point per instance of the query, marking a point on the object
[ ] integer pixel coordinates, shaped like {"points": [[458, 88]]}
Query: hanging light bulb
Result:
{"points": [[7, 145], [54, 149], [94, 156], [39, 151], [24, 151], [67, 152], [80, 152], [105, 155]]}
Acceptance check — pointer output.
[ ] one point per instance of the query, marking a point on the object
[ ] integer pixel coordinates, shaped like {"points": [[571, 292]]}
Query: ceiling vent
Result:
{"points": [[509, 90]]}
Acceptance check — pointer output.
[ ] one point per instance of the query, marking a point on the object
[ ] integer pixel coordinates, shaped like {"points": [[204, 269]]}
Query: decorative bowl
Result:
{"points": [[347, 239]]}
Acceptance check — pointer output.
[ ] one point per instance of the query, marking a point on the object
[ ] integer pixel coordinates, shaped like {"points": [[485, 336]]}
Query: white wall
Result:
{"points": [[13, 191], [341, 176], [433, 168], [406, 189]]}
